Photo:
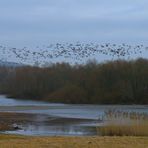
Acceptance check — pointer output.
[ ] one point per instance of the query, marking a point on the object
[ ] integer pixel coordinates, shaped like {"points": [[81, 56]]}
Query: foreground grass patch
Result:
{"points": [[10, 137], [72, 142]]}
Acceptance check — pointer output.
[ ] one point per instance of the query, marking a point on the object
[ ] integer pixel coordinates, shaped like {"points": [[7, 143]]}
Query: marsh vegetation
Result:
{"points": [[120, 123]]}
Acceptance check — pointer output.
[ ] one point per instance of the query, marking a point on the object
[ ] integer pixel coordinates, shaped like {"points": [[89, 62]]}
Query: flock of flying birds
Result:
{"points": [[74, 52]]}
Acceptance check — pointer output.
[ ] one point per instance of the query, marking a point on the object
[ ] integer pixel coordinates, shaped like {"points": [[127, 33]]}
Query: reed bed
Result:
{"points": [[122, 123]]}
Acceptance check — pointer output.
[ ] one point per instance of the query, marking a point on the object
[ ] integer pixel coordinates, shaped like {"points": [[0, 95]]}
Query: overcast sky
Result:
{"points": [[39, 22]]}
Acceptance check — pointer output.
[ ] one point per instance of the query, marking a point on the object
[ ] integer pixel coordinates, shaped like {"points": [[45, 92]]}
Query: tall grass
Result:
{"points": [[119, 123]]}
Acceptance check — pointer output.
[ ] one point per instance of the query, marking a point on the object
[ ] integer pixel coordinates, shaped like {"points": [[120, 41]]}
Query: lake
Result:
{"points": [[59, 119]]}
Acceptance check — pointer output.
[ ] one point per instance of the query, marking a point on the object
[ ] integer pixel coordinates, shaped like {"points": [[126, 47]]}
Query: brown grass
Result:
{"points": [[124, 124], [10, 141], [124, 130]]}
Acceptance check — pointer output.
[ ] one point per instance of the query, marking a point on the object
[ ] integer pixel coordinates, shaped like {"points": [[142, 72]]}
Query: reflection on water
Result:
{"points": [[56, 130], [64, 112]]}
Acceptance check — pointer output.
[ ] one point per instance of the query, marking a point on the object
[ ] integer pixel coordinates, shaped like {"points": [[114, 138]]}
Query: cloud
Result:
{"points": [[37, 21]]}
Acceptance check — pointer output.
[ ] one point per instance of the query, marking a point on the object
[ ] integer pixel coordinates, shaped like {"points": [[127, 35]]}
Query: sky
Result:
{"points": [[39, 22]]}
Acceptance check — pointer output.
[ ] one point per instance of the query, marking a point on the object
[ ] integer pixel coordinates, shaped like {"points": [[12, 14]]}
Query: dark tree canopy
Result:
{"points": [[117, 82]]}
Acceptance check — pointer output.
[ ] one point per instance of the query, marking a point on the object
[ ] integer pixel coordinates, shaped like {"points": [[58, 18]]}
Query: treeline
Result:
{"points": [[117, 82]]}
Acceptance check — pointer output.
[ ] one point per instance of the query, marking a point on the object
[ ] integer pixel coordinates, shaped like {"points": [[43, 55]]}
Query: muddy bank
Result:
{"points": [[12, 121], [11, 117]]}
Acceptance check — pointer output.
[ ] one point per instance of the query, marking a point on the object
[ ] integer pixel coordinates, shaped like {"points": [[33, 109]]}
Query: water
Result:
{"points": [[61, 119], [4, 101]]}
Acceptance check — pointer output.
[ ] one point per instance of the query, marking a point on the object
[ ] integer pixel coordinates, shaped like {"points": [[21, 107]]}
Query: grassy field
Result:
{"points": [[12, 141]]}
